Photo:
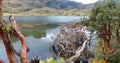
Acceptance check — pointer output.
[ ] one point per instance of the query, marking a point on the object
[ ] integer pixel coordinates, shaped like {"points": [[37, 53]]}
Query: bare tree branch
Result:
{"points": [[78, 53]]}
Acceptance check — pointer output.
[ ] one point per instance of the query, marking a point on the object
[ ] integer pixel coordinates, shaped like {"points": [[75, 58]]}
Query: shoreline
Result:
{"points": [[81, 13], [33, 25]]}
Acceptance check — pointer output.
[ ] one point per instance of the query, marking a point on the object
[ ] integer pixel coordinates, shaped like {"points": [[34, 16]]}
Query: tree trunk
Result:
{"points": [[106, 36], [1, 11], [118, 34], [18, 34], [1, 61], [6, 41], [9, 51]]}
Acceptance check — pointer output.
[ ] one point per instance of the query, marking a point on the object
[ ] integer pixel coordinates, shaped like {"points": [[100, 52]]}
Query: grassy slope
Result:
{"points": [[51, 12]]}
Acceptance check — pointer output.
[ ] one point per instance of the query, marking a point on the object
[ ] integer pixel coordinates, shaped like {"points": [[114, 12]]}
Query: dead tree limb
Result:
{"points": [[77, 54]]}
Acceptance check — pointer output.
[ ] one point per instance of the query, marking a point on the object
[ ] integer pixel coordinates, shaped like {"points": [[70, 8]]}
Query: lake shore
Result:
{"points": [[33, 25], [72, 12]]}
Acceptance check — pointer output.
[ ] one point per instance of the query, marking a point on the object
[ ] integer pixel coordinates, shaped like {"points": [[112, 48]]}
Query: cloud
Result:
{"points": [[85, 1]]}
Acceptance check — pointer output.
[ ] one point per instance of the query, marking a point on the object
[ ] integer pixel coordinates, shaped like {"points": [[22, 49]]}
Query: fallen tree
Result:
{"points": [[71, 43], [77, 54]]}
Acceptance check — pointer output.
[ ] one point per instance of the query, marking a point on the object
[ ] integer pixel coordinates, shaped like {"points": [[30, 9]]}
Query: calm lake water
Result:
{"points": [[38, 47], [45, 18]]}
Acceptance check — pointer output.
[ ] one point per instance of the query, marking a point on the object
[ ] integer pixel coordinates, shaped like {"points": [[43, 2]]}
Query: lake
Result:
{"points": [[46, 18], [38, 46]]}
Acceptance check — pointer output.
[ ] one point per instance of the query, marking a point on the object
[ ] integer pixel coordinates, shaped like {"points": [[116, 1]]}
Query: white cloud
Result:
{"points": [[85, 1]]}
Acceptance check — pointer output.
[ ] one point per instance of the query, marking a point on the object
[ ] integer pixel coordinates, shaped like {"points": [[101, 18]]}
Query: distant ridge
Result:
{"points": [[17, 6]]}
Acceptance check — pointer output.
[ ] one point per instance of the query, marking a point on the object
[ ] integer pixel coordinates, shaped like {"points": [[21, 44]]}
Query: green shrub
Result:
{"points": [[51, 60]]}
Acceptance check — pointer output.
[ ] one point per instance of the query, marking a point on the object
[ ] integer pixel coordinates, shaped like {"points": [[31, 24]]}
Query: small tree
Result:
{"points": [[105, 18], [6, 30]]}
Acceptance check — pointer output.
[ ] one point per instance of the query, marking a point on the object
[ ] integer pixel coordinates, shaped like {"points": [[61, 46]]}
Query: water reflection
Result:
{"points": [[38, 31], [38, 47], [3, 52], [45, 18]]}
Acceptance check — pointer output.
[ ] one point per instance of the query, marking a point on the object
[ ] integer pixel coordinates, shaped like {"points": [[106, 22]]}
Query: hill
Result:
{"points": [[45, 7]]}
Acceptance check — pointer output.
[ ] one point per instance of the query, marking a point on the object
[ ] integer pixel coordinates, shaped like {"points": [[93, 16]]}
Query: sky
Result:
{"points": [[85, 1]]}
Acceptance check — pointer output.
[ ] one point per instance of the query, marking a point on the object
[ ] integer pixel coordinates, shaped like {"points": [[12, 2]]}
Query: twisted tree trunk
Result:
{"points": [[5, 35], [1, 10], [9, 50], [7, 43], [18, 34], [1, 61], [118, 33]]}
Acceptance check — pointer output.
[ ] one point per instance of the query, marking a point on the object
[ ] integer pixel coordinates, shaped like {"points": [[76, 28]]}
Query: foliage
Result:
{"points": [[115, 58], [51, 60], [104, 12], [105, 18], [98, 61], [6, 27], [98, 54]]}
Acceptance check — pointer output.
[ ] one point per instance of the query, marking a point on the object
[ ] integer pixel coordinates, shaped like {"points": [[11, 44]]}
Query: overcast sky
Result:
{"points": [[85, 1]]}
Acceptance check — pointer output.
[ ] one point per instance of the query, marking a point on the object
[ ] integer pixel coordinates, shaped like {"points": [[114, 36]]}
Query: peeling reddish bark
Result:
{"points": [[1, 61], [118, 34], [7, 43], [18, 34], [9, 46], [9, 51], [106, 36], [1, 10]]}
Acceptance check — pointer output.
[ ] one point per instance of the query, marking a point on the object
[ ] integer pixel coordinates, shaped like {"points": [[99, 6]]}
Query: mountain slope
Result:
{"points": [[35, 6]]}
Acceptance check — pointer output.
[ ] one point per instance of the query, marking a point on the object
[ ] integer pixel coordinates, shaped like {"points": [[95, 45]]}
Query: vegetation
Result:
{"points": [[72, 42], [8, 31], [45, 7], [51, 12], [51, 60], [105, 18]]}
